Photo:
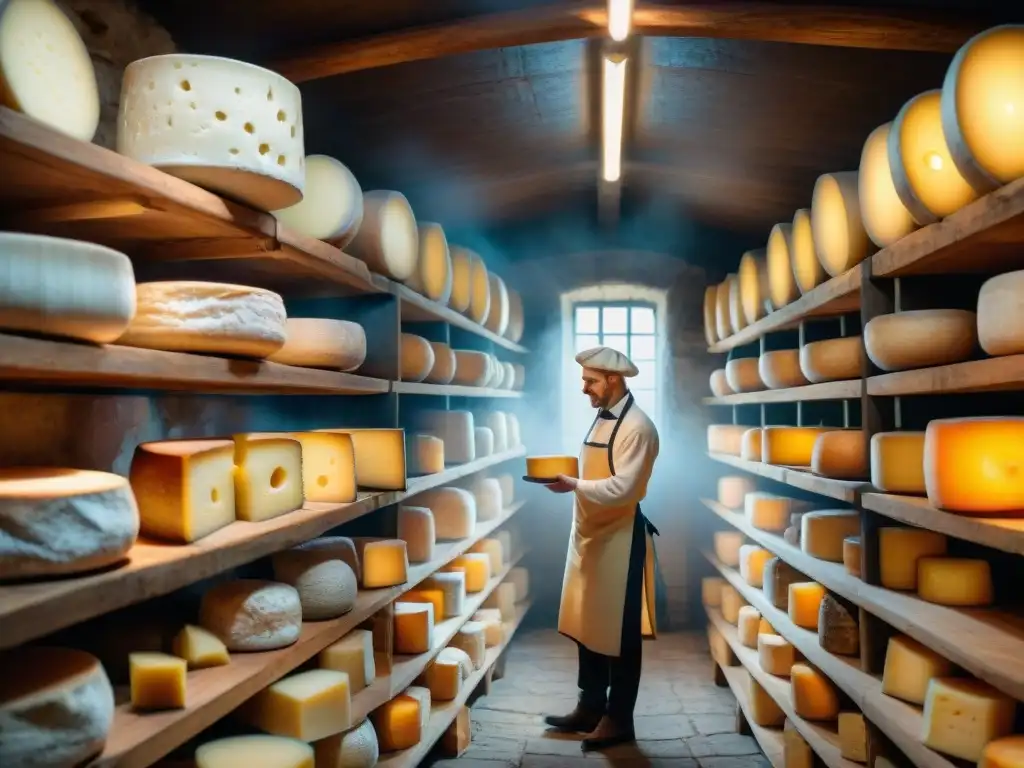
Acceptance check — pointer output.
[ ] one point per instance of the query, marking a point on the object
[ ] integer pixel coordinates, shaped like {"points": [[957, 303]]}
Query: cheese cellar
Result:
{"points": [[302, 307]]}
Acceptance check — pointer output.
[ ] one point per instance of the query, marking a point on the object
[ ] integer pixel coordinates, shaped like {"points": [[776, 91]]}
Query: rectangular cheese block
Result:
{"points": [[853, 736], [814, 695], [268, 477], [796, 752], [711, 591], [457, 737], [424, 594], [494, 629], [778, 575], [414, 627], [470, 638], [727, 547], [962, 715], [385, 562], [157, 681], [308, 705], [504, 599], [909, 667], [752, 560], [804, 603], [200, 648], [731, 604], [454, 511], [353, 655], [456, 429], [822, 533], [763, 709], [446, 673], [789, 446], [398, 723], [380, 457], [328, 466], [959, 582], [726, 438], [477, 568], [775, 655], [899, 549]]}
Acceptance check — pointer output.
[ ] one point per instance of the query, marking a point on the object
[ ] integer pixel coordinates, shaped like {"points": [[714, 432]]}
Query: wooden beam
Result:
{"points": [[575, 19]]}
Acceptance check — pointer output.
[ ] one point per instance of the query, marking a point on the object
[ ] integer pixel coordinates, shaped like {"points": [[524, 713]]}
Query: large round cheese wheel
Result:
{"points": [[920, 338], [832, 359], [839, 237], [723, 322], [65, 288], [807, 269], [780, 369], [742, 374], [227, 126], [842, 454], [46, 71], [885, 217], [433, 274], [753, 285], [974, 465], [710, 329], [781, 283], [927, 181], [322, 343], [388, 240], [497, 315], [472, 368], [479, 290], [496, 372], [417, 357], [516, 321], [1001, 314], [462, 278], [737, 319], [443, 370], [982, 107], [331, 208], [720, 383]]}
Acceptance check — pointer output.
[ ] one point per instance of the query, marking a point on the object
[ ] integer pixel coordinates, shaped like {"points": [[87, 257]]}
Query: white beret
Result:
{"points": [[608, 360]]}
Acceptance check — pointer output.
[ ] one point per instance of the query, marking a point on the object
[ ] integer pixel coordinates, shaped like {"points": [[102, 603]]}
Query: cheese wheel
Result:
{"points": [[909, 667], [807, 269], [727, 547], [737, 320], [545, 467], [885, 217], [515, 439], [814, 695], [842, 454], [782, 288], [357, 748], [416, 529], [774, 654], [417, 357], [732, 602], [487, 494], [495, 372], [920, 338], [710, 328], [508, 376], [962, 715], [822, 532], [497, 314], [726, 438], [455, 429], [804, 603], [959, 582], [789, 446], [1007, 752], [327, 587], [733, 489], [331, 207], [982, 105], [926, 178], [516, 320], [227, 126], [257, 750], [387, 241], [443, 370], [462, 278], [472, 368], [832, 359], [64, 288], [752, 560], [899, 550], [213, 318], [764, 711], [720, 384], [723, 321], [750, 445], [312, 342], [897, 462], [838, 631], [753, 285], [252, 615], [337, 548], [780, 369], [711, 591], [852, 555], [1001, 314], [975, 465], [743, 375], [839, 237], [768, 512], [433, 274], [454, 511], [425, 455]]}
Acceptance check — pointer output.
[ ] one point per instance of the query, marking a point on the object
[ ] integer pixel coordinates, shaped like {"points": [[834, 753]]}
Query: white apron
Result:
{"points": [[597, 564]]}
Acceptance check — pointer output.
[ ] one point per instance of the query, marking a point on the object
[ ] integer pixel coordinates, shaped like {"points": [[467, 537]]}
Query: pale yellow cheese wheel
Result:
{"points": [[737, 320], [832, 359], [839, 237], [710, 325], [720, 384], [885, 217], [750, 445], [753, 285], [780, 369], [498, 314], [462, 268], [722, 320], [807, 269], [433, 275], [742, 375], [726, 438], [417, 357], [920, 338], [781, 284], [479, 290], [1001, 314]]}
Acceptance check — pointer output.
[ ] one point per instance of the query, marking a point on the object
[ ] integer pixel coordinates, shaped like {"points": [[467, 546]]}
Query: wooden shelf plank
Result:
{"points": [[769, 739], [137, 739], [985, 236], [899, 721], [994, 374], [451, 390], [837, 296], [35, 609], [996, 636], [830, 390], [822, 739], [419, 309], [1006, 534], [842, 490]]}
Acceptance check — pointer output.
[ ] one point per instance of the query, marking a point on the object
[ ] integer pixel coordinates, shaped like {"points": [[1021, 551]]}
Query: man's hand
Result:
{"points": [[564, 485]]}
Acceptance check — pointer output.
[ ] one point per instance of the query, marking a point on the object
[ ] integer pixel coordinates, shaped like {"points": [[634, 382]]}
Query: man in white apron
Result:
{"points": [[608, 589]]}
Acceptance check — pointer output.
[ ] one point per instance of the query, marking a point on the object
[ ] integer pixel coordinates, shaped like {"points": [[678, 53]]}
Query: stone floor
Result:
{"points": [[682, 719]]}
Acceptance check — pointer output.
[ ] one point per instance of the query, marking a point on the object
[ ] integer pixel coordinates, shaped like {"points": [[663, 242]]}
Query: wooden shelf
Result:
{"points": [[823, 740], [899, 721], [1006, 534], [842, 490], [830, 390], [137, 739], [35, 609], [419, 309], [451, 390], [985, 236], [994, 374], [996, 644], [769, 739]]}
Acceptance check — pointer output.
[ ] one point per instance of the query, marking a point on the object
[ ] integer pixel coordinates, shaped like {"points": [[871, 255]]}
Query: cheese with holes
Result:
{"points": [[750, 624], [398, 723], [545, 467], [414, 627], [256, 751], [803, 256], [453, 585], [416, 357], [763, 709], [252, 615], [328, 466], [732, 489], [357, 748], [909, 667], [458, 736], [710, 298], [822, 533], [380, 457], [743, 375], [885, 217], [426, 455], [838, 631], [433, 274], [711, 591], [498, 423], [780, 369], [774, 654], [331, 207], [782, 288], [308, 705], [832, 359], [814, 695], [443, 370], [853, 737], [726, 438], [456, 430], [488, 498], [767, 511], [497, 314], [920, 338], [521, 578], [805, 603], [899, 550], [504, 599], [731, 604], [434, 597], [841, 454], [926, 178], [470, 638], [839, 236], [1001, 314], [353, 655], [778, 575], [975, 465], [157, 681], [750, 445], [737, 321], [852, 555], [416, 529], [199, 648], [56, 522], [728, 545], [483, 441], [897, 462], [1007, 752], [797, 753], [445, 675], [494, 551], [476, 566], [385, 563], [268, 477], [722, 320], [720, 384], [494, 630], [454, 510], [960, 582], [789, 446], [962, 715], [388, 240], [516, 319], [752, 560], [326, 585], [753, 285]]}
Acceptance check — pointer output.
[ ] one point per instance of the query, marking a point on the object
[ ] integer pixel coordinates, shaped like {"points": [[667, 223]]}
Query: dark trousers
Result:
{"points": [[609, 684]]}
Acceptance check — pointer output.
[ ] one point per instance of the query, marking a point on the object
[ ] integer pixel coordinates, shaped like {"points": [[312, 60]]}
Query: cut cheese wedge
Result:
{"points": [[331, 208], [200, 648], [814, 695], [337, 345], [886, 219], [782, 288], [839, 237], [807, 269], [388, 240], [1001, 314], [433, 274], [268, 476], [832, 359], [379, 456], [909, 668], [963, 715], [921, 338]]}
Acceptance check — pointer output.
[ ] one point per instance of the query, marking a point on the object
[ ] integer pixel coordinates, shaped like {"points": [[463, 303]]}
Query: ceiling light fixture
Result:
{"points": [[620, 19], [614, 106]]}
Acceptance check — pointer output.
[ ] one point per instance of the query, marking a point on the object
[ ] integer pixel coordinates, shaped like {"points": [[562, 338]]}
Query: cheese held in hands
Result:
{"points": [[268, 477]]}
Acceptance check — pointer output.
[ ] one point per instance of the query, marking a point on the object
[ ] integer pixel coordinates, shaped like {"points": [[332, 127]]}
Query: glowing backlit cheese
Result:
{"points": [[497, 315], [1001, 314], [838, 631], [804, 603], [752, 560], [357, 748], [841, 454], [454, 510], [516, 319], [921, 338], [959, 582], [750, 445], [1006, 752], [252, 615], [328, 466], [199, 648], [457, 737], [722, 320], [853, 736], [546, 467], [899, 549], [778, 575], [789, 446], [732, 489], [926, 179], [476, 566], [753, 284], [268, 477], [711, 591], [255, 751], [737, 320], [780, 369], [385, 563], [962, 715], [416, 529], [414, 627], [327, 586], [453, 585], [335, 547], [763, 709], [975, 465], [822, 533], [909, 667], [417, 357], [852, 555], [807, 269], [731, 604], [750, 624], [797, 753], [494, 551], [470, 638], [781, 284], [839, 237], [832, 359], [445, 675], [727, 547], [331, 207], [494, 630], [885, 217], [483, 441], [63, 288], [521, 578], [472, 368], [814, 695], [767, 511], [353, 655], [743, 375], [774, 654], [504, 599], [710, 329], [433, 274], [380, 457], [308, 706], [398, 723], [720, 384], [897, 462], [388, 240], [726, 438], [157, 681]]}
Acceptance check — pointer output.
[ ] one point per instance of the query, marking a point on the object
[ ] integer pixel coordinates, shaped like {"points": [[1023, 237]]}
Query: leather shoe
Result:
{"points": [[607, 734], [580, 720]]}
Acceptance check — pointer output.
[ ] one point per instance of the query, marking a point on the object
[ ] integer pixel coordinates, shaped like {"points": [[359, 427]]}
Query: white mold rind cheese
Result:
{"points": [[252, 615], [839, 237], [388, 240], [357, 748], [331, 208], [337, 345], [227, 126], [886, 219], [433, 275]]}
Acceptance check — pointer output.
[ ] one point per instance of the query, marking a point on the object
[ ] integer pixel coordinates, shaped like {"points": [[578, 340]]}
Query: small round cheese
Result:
{"points": [[425, 455], [472, 368], [417, 357], [742, 374], [920, 338], [807, 269], [780, 369], [886, 219], [516, 320], [312, 342], [252, 615], [331, 208], [726, 438], [327, 587], [839, 237], [753, 284], [433, 275], [388, 240], [416, 529], [1001, 314], [832, 359], [722, 320], [497, 315], [710, 330], [720, 384], [782, 288]]}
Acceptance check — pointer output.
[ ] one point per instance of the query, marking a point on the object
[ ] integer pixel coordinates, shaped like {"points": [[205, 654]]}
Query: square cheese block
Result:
{"points": [[899, 550], [454, 511], [380, 457], [328, 466], [853, 736], [424, 594], [476, 566], [184, 488], [268, 477], [353, 655], [909, 667], [200, 648], [805, 603], [157, 681], [727, 547], [255, 751], [308, 706], [962, 715], [416, 529], [504, 599], [752, 560], [822, 533], [494, 629], [731, 604], [456, 429], [445, 675], [711, 591], [453, 585], [459, 734], [751, 624], [414, 627], [814, 695], [897, 462], [775, 655], [470, 638], [385, 562], [764, 711], [398, 723]]}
